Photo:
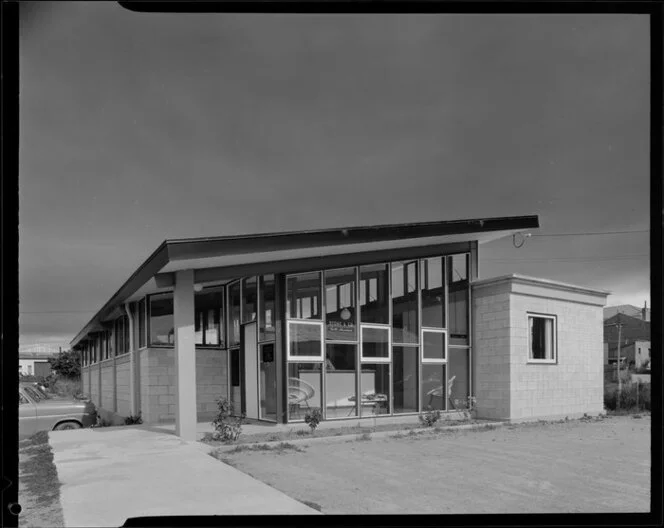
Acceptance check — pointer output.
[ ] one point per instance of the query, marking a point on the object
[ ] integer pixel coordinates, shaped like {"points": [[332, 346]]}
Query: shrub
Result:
{"points": [[227, 427], [134, 419], [429, 417], [313, 418], [628, 397], [67, 364]]}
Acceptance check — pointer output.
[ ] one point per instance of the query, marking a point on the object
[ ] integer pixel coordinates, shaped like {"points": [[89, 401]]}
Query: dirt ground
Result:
{"points": [[576, 466]]}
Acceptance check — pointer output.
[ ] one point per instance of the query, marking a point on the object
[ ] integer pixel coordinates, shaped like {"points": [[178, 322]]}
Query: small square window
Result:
{"points": [[541, 338]]}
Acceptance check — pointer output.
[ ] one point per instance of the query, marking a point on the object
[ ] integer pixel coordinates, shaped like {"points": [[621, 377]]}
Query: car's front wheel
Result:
{"points": [[67, 425]]}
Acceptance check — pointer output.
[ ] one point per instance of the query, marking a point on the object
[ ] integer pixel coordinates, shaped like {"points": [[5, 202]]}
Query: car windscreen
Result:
{"points": [[34, 394]]}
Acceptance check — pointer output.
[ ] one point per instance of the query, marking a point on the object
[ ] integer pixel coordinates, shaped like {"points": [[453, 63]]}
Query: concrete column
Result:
{"points": [[132, 364], [185, 356]]}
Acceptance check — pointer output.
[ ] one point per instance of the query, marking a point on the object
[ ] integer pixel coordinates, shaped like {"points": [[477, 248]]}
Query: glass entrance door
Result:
{"points": [[267, 383]]}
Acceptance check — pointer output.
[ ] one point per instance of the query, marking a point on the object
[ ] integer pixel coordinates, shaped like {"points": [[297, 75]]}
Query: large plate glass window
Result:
{"points": [[162, 331], [234, 313], [374, 294], [209, 317], [434, 391], [303, 297], [340, 314], [376, 344], [434, 346], [375, 389], [433, 292], [458, 365], [249, 299], [119, 336], [305, 341], [541, 338], [266, 307], [304, 389], [434, 382], [458, 295], [404, 302], [340, 380], [405, 365]]}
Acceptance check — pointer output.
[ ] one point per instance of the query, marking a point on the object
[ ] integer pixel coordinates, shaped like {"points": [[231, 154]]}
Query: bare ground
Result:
{"points": [[576, 466]]}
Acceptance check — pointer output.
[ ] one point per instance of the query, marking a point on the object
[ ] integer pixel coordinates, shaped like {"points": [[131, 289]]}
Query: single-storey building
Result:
{"points": [[359, 322], [31, 364]]}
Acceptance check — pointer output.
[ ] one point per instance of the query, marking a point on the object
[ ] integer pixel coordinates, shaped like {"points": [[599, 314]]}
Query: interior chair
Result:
{"points": [[299, 392]]}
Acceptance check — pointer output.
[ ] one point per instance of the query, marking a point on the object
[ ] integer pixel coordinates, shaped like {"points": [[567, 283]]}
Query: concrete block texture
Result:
{"points": [[509, 386]]}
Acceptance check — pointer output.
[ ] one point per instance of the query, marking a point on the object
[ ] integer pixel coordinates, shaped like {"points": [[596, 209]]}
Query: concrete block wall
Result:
{"points": [[507, 385], [94, 384], [574, 384], [123, 402], [157, 384], [85, 380], [107, 389], [491, 368], [211, 381]]}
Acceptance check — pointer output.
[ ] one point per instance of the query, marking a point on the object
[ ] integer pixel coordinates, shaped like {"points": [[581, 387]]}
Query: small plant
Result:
{"points": [[101, 422], [313, 418], [134, 419], [301, 432], [429, 417], [468, 407], [364, 437], [227, 428]]}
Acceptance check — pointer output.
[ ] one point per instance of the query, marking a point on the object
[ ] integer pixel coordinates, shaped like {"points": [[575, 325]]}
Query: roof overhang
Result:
{"points": [[237, 252]]}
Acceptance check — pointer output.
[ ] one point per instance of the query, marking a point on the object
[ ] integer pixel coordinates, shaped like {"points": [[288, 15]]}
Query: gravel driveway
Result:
{"points": [[576, 466]]}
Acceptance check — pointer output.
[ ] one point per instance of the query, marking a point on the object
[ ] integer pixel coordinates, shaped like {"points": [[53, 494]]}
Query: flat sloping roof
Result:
{"points": [[196, 253]]}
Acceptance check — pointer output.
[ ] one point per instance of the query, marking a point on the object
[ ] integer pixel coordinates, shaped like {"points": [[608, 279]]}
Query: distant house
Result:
{"points": [[634, 339], [34, 364], [627, 309]]}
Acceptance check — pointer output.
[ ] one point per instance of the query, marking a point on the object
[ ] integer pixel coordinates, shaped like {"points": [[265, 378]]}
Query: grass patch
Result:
{"points": [[364, 437], [39, 475], [279, 448]]}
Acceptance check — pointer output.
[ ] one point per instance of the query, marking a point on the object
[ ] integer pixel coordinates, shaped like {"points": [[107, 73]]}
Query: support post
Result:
{"points": [[132, 363], [185, 356]]}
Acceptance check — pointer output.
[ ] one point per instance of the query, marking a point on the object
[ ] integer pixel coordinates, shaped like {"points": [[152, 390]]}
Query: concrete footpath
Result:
{"points": [[113, 473]]}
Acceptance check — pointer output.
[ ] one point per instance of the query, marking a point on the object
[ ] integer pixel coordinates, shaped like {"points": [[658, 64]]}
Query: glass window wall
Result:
{"points": [[305, 341], [405, 365], [375, 343], [340, 380], [141, 323], [458, 298], [458, 364], [374, 294], [433, 292], [433, 345], [162, 331], [375, 389], [249, 299], [209, 317], [304, 389], [404, 302], [267, 304], [340, 314], [234, 313], [434, 394], [303, 296]]}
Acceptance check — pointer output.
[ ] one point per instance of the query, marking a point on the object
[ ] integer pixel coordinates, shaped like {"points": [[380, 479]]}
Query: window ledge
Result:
{"points": [[542, 362]]}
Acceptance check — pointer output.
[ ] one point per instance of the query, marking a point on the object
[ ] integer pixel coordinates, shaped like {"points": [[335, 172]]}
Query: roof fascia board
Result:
{"points": [[203, 275], [206, 247]]}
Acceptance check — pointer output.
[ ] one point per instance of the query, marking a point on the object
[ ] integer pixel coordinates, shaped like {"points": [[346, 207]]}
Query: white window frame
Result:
{"points": [[447, 344], [305, 359], [387, 359], [554, 335]]}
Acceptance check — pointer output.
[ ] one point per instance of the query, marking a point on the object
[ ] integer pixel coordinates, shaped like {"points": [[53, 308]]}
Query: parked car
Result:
{"points": [[36, 412]]}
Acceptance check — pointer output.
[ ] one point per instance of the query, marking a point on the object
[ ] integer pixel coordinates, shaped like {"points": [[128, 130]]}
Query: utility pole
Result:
{"points": [[619, 325]]}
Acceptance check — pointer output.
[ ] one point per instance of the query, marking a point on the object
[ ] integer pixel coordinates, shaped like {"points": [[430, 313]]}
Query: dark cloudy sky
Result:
{"points": [[139, 127]]}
